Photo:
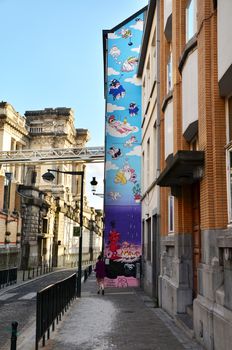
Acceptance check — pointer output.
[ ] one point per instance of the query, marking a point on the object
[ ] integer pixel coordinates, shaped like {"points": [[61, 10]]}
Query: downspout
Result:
{"points": [[158, 152], [105, 57]]}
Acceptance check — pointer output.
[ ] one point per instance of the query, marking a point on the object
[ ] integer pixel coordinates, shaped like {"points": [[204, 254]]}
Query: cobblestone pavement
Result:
{"points": [[122, 319]]}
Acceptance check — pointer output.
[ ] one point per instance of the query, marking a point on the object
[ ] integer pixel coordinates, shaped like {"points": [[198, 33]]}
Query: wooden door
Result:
{"points": [[196, 234]]}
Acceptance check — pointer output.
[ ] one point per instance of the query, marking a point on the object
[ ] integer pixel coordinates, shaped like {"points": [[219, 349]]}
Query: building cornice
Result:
{"points": [[146, 36]]}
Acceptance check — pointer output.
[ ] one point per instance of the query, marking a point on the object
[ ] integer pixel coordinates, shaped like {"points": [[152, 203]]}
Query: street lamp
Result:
{"points": [[50, 177], [93, 184]]}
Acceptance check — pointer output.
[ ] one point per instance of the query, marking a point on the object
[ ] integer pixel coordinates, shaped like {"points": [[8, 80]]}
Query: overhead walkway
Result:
{"points": [[84, 154]]}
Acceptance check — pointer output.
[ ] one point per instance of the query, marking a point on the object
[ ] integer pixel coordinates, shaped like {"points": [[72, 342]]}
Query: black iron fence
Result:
{"points": [[87, 272], [8, 277], [36, 271], [52, 302]]}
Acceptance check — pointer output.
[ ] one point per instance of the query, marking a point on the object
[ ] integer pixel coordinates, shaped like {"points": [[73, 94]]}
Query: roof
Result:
{"points": [[146, 35]]}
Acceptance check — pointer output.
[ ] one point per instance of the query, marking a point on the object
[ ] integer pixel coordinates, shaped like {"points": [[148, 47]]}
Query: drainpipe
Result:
{"points": [[158, 148]]}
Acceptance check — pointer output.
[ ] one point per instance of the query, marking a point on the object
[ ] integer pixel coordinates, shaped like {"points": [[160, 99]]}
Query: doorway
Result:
{"points": [[155, 257]]}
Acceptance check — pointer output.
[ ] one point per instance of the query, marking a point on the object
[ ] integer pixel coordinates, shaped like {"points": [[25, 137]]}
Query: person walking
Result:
{"points": [[100, 270]]}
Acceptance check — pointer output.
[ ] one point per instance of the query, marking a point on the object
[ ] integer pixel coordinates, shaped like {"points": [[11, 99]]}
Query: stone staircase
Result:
{"points": [[185, 321]]}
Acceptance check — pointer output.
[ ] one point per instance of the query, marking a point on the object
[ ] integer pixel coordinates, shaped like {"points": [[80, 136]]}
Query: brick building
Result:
{"points": [[194, 89]]}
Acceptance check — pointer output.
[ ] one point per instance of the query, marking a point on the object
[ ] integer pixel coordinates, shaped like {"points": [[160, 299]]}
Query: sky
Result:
{"points": [[51, 55]]}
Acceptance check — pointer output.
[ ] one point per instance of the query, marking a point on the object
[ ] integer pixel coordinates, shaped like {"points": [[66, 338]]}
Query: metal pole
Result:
{"points": [[14, 326], [80, 241]]}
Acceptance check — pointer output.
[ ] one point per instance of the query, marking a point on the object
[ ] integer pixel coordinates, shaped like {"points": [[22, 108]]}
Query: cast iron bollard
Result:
{"points": [[14, 326]]}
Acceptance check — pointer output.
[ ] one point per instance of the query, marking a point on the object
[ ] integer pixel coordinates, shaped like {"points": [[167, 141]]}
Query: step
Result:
{"points": [[189, 310], [185, 322]]}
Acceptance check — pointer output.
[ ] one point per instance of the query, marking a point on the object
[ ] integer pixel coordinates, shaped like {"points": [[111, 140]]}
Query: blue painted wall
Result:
{"points": [[123, 154]]}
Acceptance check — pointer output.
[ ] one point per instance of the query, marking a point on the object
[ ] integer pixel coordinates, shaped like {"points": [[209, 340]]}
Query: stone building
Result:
{"points": [[40, 217], [194, 101]]}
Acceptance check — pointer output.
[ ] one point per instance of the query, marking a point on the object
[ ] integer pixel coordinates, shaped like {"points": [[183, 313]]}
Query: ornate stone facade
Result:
{"points": [[42, 230]]}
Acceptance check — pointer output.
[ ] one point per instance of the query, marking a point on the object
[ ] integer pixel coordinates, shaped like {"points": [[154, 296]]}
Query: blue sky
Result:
{"points": [[52, 56]]}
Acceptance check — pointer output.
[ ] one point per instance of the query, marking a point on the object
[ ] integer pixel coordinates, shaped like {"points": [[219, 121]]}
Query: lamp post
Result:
{"points": [[93, 184], [50, 177]]}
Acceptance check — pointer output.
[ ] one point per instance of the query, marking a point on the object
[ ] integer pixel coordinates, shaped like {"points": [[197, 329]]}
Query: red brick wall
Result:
{"points": [[212, 122]]}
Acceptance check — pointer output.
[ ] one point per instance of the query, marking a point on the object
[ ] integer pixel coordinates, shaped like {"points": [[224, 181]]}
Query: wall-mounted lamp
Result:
{"points": [[93, 184]]}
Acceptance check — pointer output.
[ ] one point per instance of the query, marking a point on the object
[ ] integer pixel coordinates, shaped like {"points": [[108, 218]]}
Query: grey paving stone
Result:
{"points": [[122, 319]]}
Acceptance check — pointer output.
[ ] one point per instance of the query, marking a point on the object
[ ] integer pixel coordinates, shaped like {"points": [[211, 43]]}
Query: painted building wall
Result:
{"points": [[123, 154]]}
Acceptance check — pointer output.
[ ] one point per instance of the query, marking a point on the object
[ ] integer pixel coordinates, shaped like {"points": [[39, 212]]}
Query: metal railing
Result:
{"points": [[35, 272], [8, 277], [53, 301], [87, 272]]}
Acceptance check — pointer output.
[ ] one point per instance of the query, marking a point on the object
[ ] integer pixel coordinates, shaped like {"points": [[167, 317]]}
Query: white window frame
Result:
{"points": [[148, 80], [228, 171], [189, 35], [169, 74], [170, 214], [148, 155], [144, 101], [153, 58]]}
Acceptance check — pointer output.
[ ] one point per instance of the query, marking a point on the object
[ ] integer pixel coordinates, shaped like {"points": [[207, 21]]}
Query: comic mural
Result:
{"points": [[123, 155]]}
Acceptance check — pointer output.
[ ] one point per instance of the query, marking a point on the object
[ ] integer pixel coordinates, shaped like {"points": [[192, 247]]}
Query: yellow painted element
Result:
{"points": [[120, 178]]}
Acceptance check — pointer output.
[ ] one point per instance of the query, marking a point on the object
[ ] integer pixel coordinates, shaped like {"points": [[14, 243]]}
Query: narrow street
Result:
{"points": [[19, 304], [122, 319]]}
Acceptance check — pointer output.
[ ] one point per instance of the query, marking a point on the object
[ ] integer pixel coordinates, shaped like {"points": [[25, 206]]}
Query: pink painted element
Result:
{"points": [[126, 252], [122, 282]]}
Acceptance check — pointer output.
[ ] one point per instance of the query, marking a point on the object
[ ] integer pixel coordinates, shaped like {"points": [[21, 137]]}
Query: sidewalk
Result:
{"points": [[122, 319]]}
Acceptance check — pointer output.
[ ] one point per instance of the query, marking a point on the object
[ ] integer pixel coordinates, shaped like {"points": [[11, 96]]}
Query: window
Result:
{"points": [[36, 130], [230, 118], [169, 73], [142, 175], [7, 190], [229, 157], [153, 59], [148, 163], [170, 214], [155, 173], [143, 238], [191, 21], [229, 178], [148, 72], [144, 96], [45, 226], [148, 222], [146, 87]]}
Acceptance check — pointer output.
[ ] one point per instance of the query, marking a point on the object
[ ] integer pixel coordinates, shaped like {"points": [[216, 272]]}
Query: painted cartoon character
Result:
{"points": [[114, 245], [114, 195], [125, 174], [114, 152], [116, 89], [137, 193], [133, 109], [130, 142], [120, 127], [127, 34], [129, 173], [115, 52], [129, 64], [122, 282]]}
